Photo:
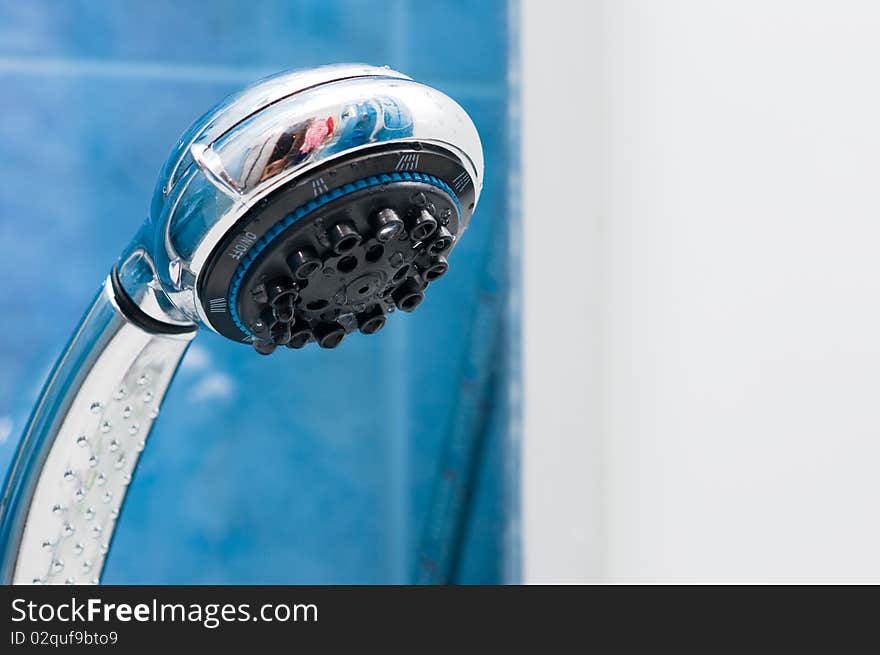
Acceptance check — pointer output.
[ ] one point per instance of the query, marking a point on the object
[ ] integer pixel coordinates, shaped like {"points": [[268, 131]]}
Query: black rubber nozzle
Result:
{"points": [[422, 225], [442, 241], [343, 237], [303, 263], [388, 225], [436, 269], [371, 321], [280, 332], [264, 347], [401, 272], [299, 338], [282, 297], [329, 335], [408, 295]]}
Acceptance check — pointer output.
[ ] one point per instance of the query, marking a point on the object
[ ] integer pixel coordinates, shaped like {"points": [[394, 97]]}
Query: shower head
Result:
{"points": [[306, 207]]}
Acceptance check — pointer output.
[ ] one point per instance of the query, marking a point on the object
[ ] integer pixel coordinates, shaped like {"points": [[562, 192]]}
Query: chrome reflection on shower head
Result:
{"points": [[311, 205]]}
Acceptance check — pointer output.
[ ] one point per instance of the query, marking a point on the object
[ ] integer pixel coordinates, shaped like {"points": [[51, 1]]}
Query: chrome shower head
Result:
{"points": [[308, 206]]}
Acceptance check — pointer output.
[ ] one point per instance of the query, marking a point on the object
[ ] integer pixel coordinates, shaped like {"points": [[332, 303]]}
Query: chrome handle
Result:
{"points": [[81, 445]]}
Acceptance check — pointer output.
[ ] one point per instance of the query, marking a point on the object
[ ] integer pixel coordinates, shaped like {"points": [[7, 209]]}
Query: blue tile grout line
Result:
{"points": [[73, 67], [175, 72]]}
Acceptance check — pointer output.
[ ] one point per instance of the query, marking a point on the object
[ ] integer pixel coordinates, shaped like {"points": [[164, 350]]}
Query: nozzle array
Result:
{"points": [[347, 268]]}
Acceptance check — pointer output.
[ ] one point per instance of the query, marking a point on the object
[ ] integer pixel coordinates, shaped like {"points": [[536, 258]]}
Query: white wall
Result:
{"points": [[561, 137], [724, 393]]}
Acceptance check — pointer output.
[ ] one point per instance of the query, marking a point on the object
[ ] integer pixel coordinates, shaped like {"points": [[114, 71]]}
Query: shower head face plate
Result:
{"points": [[339, 249]]}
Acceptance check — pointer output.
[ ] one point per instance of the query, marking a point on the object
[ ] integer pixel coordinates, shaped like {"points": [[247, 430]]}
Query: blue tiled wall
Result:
{"points": [[303, 467]]}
